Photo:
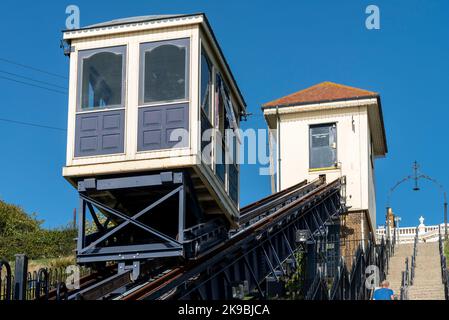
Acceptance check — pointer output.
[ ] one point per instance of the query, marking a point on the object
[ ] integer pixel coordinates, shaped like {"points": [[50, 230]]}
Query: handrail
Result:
{"points": [[409, 274], [350, 284], [413, 259], [405, 281], [404, 287], [444, 270]]}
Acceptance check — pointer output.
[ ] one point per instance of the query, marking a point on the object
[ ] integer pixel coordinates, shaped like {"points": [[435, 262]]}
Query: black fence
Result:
{"points": [[369, 267], [32, 285]]}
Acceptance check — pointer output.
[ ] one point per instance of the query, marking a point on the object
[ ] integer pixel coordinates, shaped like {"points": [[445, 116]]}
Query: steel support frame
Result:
{"points": [[90, 250], [259, 255]]}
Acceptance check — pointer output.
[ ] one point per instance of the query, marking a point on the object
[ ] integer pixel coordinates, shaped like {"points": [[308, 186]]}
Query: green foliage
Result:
{"points": [[23, 233], [294, 284]]}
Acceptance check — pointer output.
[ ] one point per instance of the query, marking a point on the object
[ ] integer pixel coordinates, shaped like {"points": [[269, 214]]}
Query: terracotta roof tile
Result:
{"points": [[322, 92]]}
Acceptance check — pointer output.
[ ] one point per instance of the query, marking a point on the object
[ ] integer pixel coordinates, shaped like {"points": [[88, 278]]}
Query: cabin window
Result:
{"points": [[226, 166], [220, 119], [234, 172], [323, 146], [206, 83], [164, 72], [101, 78], [206, 98]]}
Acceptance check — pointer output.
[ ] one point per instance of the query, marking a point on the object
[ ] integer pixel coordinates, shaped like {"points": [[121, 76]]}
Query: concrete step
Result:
{"points": [[397, 270], [427, 261], [426, 289], [426, 297], [394, 283], [432, 281], [427, 282], [430, 278], [423, 295]]}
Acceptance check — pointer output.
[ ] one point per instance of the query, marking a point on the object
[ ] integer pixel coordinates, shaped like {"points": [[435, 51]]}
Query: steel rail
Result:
{"points": [[104, 287], [270, 197], [175, 272], [272, 202], [85, 282], [177, 276], [94, 284]]}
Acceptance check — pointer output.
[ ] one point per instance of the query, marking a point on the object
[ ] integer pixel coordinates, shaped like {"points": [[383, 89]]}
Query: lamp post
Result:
{"points": [[396, 232], [387, 224], [445, 216]]}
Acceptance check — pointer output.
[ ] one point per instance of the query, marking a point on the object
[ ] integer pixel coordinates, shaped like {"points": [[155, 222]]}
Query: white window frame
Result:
{"points": [[83, 54], [145, 46]]}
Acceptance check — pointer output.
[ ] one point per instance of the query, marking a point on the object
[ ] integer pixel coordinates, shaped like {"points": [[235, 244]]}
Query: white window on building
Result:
{"points": [[323, 146]]}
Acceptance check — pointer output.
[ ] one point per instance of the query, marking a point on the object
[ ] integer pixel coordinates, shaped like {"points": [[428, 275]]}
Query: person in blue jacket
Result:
{"points": [[384, 292]]}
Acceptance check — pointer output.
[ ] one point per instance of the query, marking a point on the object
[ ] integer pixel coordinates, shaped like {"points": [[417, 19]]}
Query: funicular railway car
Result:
{"points": [[143, 93]]}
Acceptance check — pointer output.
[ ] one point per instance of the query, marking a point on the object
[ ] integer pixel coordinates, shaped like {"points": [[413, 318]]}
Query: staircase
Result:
{"points": [[397, 265], [427, 284]]}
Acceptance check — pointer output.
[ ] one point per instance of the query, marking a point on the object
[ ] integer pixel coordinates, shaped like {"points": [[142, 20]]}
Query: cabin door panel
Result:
{"points": [[163, 127], [99, 133]]}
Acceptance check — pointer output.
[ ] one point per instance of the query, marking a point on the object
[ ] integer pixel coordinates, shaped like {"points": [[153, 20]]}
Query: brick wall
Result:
{"points": [[351, 234]]}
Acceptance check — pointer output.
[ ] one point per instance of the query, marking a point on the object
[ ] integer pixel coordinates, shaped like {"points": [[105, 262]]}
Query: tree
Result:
{"points": [[23, 233]]}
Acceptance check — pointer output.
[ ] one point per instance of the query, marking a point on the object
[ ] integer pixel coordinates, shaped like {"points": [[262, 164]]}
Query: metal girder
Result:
{"points": [[131, 182], [91, 249], [237, 257], [129, 220]]}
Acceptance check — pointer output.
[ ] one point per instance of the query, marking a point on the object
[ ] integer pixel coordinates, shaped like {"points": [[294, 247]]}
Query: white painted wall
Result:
{"points": [[353, 153]]}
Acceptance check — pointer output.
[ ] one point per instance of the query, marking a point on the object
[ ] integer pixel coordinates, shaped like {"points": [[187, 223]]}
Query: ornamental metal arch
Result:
{"points": [[416, 177]]}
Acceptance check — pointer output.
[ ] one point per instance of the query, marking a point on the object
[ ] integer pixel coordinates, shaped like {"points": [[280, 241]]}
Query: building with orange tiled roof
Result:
{"points": [[336, 130], [322, 92]]}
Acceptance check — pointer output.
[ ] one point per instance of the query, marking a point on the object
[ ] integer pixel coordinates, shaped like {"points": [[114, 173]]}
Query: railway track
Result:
{"points": [[181, 275], [85, 282], [273, 202], [256, 220]]}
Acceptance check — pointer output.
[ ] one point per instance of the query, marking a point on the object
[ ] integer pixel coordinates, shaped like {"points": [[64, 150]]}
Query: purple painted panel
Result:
{"points": [[99, 133], [158, 123]]}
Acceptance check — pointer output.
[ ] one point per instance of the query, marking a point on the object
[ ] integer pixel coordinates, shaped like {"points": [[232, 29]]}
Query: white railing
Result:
{"points": [[407, 234]]}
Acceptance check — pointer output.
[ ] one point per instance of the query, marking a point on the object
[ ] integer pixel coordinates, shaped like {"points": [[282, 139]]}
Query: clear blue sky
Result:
{"points": [[274, 48]]}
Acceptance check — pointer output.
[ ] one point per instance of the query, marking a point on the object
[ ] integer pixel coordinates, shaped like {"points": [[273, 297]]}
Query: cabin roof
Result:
{"points": [[322, 92], [132, 20]]}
